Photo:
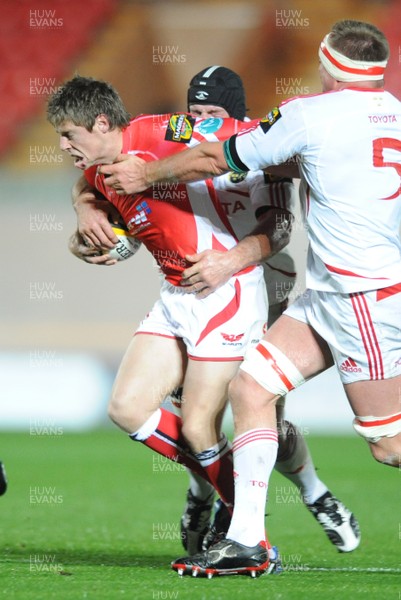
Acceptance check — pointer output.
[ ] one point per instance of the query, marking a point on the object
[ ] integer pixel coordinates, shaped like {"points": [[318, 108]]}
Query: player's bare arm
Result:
{"points": [[212, 268], [130, 174], [92, 215]]}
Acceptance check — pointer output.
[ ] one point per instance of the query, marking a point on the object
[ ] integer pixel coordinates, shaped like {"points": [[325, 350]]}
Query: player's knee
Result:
{"points": [[389, 455], [114, 410], [239, 388], [122, 412], [247, 395], [383, 435]]}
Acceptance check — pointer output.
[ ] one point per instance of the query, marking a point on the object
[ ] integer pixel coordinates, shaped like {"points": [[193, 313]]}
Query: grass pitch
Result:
{"points": [[95, 516]]}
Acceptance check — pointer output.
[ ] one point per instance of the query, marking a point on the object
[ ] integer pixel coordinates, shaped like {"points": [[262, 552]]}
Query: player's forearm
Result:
{"points": [[82, 193], [87, 200], [266, 239], [250, 251], [204, 161], [93, 212]]}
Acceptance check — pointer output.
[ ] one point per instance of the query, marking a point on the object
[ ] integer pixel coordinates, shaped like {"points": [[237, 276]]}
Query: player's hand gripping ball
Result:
{"points": [[127, 244]]}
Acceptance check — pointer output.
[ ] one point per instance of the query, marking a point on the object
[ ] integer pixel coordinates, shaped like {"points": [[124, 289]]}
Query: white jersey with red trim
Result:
{"points": [[245, 197], [349, 148]]}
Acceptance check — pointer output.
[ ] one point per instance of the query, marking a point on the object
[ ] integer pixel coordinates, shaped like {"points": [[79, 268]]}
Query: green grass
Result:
{"points": [[95, 516]]}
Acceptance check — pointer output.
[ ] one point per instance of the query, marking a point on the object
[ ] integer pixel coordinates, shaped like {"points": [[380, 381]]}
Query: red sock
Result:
{"points": [[168, 441], [218, 464]]}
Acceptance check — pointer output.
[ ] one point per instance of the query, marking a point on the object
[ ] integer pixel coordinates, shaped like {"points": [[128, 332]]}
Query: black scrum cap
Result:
{"points": [[221, 87]]}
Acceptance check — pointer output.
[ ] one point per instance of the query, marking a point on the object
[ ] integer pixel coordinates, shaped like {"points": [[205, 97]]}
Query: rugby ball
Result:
{"points": [[127, 244]]}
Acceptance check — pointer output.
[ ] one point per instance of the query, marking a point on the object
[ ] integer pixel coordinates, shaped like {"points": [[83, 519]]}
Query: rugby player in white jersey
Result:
{"points": [[348, 141], [215, 93]]}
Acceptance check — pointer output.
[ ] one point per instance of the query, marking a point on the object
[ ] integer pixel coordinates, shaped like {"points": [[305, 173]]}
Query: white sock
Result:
{"points": [[298, 467], [254, 456], [148, 427], [201, 489]]}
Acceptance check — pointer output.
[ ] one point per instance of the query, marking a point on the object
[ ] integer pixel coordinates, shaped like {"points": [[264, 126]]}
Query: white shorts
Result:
{"points": [[218, 327], [362, 330]]}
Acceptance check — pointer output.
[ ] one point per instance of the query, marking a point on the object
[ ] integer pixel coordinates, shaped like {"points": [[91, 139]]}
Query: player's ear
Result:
{"points": [[102, 123]]}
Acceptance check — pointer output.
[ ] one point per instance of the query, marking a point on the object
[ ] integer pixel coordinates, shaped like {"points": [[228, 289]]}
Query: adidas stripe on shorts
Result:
{"points": [[362, 329]]}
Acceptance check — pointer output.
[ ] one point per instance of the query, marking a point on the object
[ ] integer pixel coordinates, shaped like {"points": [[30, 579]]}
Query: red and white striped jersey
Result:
{"points": [[173, 220]]}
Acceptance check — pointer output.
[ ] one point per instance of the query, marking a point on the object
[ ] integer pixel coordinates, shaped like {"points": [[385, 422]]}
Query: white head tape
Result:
{"points": [[342, 68]]}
